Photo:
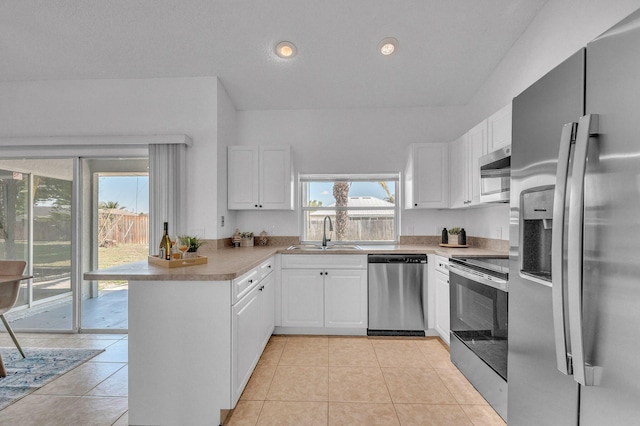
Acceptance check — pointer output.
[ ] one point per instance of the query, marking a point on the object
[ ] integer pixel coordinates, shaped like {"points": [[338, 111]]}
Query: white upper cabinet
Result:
{"points": [[260, 177], [487, 136], [499, 127], [427, 176], [477, 145], [459, 172], [464, 166]]}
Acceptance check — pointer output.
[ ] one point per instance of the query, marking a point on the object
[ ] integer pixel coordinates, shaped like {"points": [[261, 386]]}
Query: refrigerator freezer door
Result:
{"points": [[611, 239], [539, 394]]}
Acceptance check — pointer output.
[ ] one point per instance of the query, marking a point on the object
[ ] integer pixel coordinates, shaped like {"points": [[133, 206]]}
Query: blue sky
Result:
{"points": [[132, 192], [323, 191]]}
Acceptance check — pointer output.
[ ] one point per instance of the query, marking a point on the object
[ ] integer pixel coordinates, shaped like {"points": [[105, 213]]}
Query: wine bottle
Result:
{"points": [[165, 244]]}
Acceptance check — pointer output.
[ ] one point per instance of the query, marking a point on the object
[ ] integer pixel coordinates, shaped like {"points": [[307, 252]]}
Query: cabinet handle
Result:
{"points": [[250, 281], [261, 288], [269, 266], [321, 273], [255, 205], [415, 205]]}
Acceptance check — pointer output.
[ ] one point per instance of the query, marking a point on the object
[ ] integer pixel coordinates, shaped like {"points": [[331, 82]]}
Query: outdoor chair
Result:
{"points": [[9, 292]]}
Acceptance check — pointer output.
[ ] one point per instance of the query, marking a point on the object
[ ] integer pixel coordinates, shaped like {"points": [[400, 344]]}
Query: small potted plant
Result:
{"points": [[190, 245], [454, 233], [246, 239]]}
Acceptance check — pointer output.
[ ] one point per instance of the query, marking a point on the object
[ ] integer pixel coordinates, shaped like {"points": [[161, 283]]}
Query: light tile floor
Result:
{"points": [[94, 393], [299, 380], [305, 380]]}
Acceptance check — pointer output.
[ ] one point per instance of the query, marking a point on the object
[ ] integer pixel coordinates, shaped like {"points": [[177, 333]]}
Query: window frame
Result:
{"points": [[304, 178]]}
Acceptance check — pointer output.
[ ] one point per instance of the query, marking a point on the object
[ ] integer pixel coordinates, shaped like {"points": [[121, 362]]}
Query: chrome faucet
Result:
{"points": [[324, 230]]}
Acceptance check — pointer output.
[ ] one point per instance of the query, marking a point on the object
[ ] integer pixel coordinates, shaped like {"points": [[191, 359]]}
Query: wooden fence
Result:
{"points": [[367, 229], [122, 227]]}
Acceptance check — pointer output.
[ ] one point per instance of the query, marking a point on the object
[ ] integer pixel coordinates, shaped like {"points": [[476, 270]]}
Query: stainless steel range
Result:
{"points": [[479, 312]]}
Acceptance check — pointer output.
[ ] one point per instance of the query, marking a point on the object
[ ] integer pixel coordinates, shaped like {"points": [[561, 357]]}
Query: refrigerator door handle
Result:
{"points": [[563, 359], [583, 373]]}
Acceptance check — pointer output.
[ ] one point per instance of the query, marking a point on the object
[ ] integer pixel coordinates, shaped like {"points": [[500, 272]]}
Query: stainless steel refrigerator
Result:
{"points": [[574, 273]]}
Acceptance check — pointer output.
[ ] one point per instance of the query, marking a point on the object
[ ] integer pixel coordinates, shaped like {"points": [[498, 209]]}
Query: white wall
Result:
{"points": [[337, 140], [349, 141], [227, 120], [560, 29], [126, 107], [340, 140]]}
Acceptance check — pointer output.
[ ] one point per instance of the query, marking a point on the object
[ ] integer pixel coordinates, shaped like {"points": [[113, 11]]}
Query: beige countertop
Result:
{"points": [[229, 263]]}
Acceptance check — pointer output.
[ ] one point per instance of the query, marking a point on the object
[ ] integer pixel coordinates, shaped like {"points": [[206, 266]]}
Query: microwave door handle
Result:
{"points": [[563, 359], [583, 373]]}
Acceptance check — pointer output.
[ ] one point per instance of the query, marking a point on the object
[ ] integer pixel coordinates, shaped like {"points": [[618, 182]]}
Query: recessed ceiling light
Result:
{"points": [[388, 46], [285, 49]]}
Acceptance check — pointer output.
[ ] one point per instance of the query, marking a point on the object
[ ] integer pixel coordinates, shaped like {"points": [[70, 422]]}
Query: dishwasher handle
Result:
{"points": [[397, 258]]}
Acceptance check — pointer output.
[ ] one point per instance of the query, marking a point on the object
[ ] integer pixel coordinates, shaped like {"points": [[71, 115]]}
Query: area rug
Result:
{"points": [[42, 365]]}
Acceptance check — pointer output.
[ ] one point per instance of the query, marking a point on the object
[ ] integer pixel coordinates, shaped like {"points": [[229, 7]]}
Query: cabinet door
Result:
{"points": [[267, 307], [275, 178], [430, 176], [499, 125], [345, 293], [477, 147], [302, 297], [442, 306], [245, 340], [459, 172], [242, 177]]}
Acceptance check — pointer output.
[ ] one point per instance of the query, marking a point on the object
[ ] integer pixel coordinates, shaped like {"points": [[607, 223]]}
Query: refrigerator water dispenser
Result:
{"points": [[537, 213]]}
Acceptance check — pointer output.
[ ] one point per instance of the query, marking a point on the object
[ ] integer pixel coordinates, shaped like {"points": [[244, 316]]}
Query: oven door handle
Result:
{"points": [[563, 359], [469, 274]]}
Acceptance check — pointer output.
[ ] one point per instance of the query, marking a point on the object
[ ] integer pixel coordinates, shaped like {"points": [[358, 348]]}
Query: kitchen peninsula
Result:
{"points": [[196, 333]]}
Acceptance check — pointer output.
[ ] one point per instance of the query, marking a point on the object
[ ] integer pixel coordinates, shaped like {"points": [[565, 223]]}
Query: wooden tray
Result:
{"points": [[454, 245], [178, 263]]}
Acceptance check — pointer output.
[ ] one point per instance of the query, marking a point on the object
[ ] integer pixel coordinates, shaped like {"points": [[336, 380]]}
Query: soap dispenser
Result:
{"points": [[445, 236]]}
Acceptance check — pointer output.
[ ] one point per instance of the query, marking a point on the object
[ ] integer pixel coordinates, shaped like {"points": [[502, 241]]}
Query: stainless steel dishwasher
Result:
{"points": [[397, 294]]}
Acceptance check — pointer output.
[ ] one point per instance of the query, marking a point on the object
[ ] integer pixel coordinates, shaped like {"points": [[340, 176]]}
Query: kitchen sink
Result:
{"points": [[318, 247]]}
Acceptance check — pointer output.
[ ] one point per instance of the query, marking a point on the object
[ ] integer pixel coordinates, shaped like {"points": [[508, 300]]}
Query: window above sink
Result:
{"points": [[359, 209]]}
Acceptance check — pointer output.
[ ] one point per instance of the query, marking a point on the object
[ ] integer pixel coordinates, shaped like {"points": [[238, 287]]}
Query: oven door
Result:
{"points": [[479, 312]]}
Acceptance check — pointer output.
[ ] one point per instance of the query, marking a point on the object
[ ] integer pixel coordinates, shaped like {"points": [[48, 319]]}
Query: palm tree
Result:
{"points": [[341, 195], [111, 205], [390, 197]]}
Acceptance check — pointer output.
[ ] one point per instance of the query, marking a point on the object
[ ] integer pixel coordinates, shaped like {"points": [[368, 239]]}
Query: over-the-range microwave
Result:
{"points": [[495, 176]]}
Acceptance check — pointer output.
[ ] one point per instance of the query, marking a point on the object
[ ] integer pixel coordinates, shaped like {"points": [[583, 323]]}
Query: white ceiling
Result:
{"points": [[447, 50]]}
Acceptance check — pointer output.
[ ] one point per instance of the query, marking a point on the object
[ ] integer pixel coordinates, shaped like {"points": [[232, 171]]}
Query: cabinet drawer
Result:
{"points": [[442, 264], [243, 285], [266, 267], [333, 261]]}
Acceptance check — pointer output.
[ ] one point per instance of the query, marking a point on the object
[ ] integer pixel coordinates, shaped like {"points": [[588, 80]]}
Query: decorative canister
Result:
{"points": [[262, 239], [236, 239]]}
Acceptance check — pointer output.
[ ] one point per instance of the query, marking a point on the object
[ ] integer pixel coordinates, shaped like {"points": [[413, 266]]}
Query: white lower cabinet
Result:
{"points": [[318, 292], [302, 298], [252, 323], [442, 318], [345, 298]]}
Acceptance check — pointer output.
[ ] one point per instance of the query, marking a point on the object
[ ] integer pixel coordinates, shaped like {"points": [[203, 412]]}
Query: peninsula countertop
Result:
{"points": [[229, 263]]}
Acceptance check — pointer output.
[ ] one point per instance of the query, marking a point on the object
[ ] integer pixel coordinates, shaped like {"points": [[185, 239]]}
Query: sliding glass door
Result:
{"points": [[118, 207], [65, 217], [36, 226]]}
